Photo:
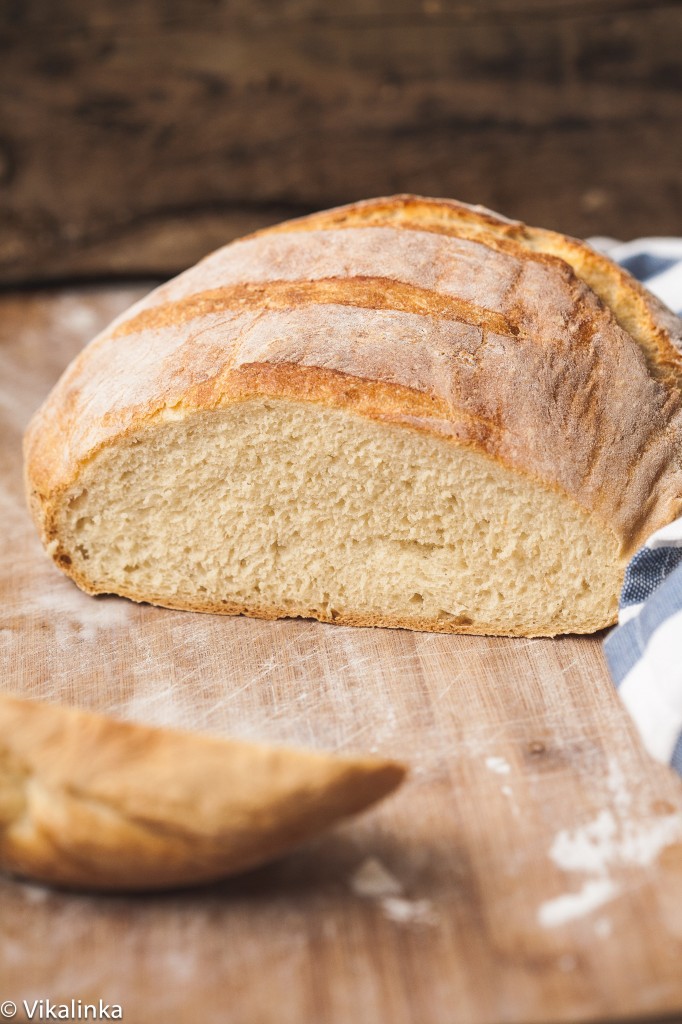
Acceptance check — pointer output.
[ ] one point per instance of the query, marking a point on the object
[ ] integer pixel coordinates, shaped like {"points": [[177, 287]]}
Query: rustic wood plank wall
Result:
{"points": [[135, 135]]}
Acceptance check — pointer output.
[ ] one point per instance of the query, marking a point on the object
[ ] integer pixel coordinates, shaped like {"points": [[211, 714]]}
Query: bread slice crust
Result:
{"points": [[89, 802]]}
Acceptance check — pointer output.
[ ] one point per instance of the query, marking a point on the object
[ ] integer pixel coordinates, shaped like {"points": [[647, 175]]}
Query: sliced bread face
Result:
{"points": [[272, 507], [401, 413]]}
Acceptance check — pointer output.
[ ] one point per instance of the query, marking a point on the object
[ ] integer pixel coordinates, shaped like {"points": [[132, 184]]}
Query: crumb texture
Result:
{"points": [[277, 508]]}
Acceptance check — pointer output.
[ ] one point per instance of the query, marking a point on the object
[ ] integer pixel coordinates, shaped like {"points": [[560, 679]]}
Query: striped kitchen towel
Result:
{"points": [[644, 652]]}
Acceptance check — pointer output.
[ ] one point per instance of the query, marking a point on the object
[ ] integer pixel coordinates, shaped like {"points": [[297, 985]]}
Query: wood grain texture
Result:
{"points": [[527, 785], [134, 137]]}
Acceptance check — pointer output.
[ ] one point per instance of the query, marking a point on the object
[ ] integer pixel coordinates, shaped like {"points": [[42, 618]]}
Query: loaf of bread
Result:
{"points": [[405, 412], [91, 802]]}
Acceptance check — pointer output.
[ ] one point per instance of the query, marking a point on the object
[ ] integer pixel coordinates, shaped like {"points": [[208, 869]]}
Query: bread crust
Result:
{"points": [[89, 802], [426, 314], [661, 329], [270, 612]]}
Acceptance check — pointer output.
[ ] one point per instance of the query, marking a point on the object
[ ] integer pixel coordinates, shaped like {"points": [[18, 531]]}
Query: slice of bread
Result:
{"points": [[406, 412], [88, 802]]}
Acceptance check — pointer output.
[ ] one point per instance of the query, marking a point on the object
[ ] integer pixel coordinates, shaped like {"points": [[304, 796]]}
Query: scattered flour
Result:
{"points": [[409, 911], [614, 838], [609, 841], [374, 881], [576, 904], [75, 614], [498, 764]]}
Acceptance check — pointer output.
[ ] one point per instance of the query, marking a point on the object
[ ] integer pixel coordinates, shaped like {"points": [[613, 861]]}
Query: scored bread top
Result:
{"points": [[521, 343]]}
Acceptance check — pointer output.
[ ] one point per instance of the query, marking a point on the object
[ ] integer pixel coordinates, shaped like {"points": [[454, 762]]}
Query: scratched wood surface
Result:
{"points": [[530, 870]]}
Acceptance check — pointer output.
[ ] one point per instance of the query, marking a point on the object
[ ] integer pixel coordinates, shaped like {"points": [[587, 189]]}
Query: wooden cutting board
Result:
{"points": [[529, 870]]}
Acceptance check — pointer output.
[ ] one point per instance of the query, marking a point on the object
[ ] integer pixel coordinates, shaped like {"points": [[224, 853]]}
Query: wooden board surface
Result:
{"points": [[135, 136], [533, 859]]}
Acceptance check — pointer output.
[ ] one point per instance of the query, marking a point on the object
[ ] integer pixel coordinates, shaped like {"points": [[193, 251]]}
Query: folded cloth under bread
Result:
{"points": [[644, 652]]}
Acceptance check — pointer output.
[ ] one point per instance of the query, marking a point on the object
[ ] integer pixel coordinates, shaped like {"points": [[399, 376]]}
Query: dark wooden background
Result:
{"points": [[135, 135]]}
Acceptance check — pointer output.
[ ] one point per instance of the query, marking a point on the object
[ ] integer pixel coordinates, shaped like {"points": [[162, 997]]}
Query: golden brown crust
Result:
{"points": [[660, 331], [424, 314], [90, 802], [361, 292]]}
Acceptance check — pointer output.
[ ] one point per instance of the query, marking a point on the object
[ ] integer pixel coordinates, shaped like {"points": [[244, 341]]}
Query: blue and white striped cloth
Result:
{"points": [[644, 652]]}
